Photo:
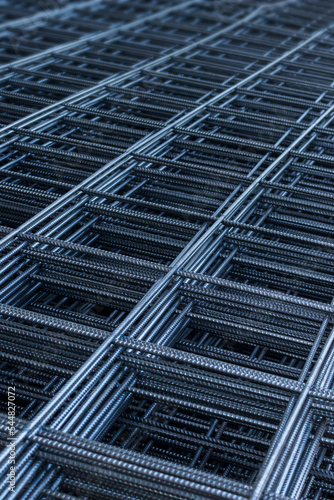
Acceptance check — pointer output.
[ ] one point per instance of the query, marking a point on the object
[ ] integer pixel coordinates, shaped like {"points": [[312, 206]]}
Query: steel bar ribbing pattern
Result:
{"points": [[167, 259]]}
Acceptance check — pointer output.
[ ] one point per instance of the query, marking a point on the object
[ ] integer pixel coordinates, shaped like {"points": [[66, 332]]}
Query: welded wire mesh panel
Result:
{"points": [[166, 239]]}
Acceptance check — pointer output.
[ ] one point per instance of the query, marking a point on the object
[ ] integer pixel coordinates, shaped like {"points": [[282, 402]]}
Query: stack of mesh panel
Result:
{"points": [[167, 250]]}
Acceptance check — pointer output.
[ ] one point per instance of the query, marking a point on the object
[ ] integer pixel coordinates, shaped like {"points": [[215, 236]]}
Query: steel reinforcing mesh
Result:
{"points": [[167, 250]]}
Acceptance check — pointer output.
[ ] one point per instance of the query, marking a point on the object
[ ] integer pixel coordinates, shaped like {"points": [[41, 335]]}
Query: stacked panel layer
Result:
{"points": [[167, 250]]}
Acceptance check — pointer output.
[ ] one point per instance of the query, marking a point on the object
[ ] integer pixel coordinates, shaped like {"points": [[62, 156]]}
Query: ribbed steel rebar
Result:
{"points": [[166, 250]]}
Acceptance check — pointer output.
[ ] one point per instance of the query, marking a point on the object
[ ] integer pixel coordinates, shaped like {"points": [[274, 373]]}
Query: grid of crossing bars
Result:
{"points": [[166, 253]]}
